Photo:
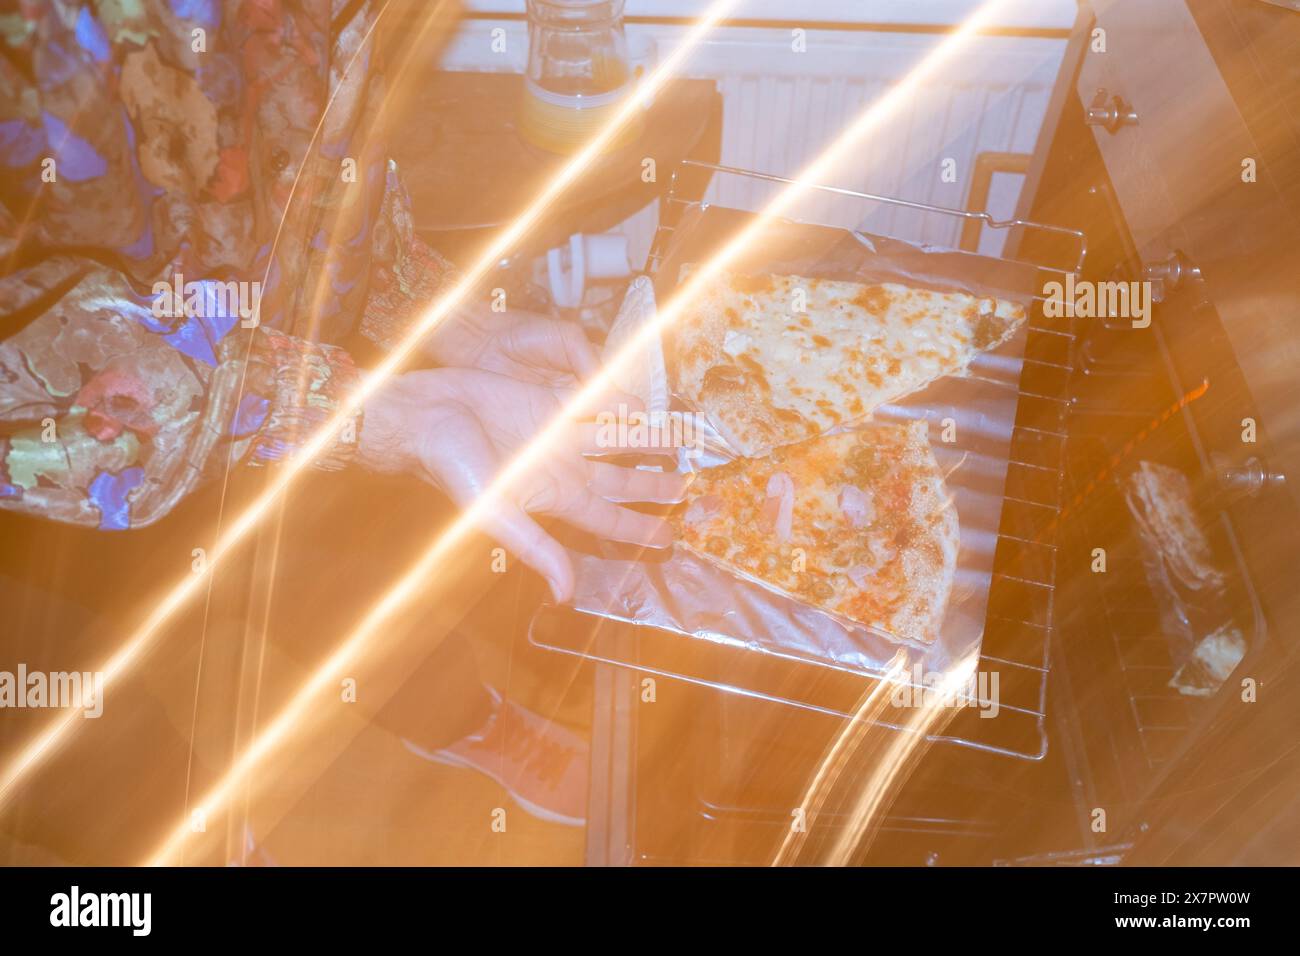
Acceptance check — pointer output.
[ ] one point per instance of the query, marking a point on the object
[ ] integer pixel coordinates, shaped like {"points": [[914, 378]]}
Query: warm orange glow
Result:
{"points": [[847, 742], [896, 753], [285, 474], [411, 583]]}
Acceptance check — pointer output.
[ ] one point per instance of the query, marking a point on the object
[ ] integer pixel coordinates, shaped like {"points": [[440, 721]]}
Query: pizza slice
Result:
{"points": [[1212, 662], [858, 523], [1160, 500], [778, 359]]}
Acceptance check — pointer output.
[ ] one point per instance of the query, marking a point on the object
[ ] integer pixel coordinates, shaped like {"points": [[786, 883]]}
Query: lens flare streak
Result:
{"points": [[416, 578], [640, 95]]}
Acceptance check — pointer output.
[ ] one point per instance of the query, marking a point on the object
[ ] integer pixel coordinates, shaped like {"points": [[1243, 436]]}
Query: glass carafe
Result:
{"points": [[577, 72]]}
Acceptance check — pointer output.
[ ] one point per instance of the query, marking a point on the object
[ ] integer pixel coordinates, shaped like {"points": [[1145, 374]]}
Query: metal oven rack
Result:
{"points": [[1159, 715], [1157, 721], [1019, 623]]}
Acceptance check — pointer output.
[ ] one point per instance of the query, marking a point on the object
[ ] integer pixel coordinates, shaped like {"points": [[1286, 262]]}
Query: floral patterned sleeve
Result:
{"points": [[186, 146], [108, 417]]}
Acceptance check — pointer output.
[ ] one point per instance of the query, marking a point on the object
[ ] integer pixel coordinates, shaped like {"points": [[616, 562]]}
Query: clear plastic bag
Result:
{"points": [[970, 417]]}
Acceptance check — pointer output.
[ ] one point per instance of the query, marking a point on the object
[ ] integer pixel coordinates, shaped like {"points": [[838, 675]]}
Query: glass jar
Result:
{"points": [[577, 72]]}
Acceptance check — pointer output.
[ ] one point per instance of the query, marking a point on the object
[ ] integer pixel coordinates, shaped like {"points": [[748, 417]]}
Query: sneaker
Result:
{"points": [[542, 765]]}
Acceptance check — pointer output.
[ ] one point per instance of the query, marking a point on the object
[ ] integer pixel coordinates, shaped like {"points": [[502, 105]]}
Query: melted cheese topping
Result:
{"points": [[777, 359], [871, 533]]}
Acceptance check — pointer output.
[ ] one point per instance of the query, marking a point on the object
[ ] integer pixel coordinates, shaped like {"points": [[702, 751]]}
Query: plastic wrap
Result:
{"points": [[1191, 589], [681, 593]]}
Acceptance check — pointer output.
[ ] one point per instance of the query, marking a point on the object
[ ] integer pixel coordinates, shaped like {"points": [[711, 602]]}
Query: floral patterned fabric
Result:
{"points": [[184, 142]]}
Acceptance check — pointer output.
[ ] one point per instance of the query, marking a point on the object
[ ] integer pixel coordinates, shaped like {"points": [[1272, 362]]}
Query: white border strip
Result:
{"points": [[1027, 14]]}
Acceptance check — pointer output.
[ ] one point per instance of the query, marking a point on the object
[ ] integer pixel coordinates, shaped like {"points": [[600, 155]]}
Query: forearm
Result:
{"points": [[387, 441]]}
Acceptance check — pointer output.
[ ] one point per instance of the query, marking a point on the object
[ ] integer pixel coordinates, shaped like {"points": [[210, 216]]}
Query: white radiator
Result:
{"points": [[781, 107]]}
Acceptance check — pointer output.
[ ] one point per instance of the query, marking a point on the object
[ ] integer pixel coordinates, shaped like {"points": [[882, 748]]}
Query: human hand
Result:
{"points": [[458, 428], [522, 345]]}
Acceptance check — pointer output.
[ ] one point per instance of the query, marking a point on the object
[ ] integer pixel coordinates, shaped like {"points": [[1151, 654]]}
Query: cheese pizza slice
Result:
{"points": [[858, 523], [778, 359]]}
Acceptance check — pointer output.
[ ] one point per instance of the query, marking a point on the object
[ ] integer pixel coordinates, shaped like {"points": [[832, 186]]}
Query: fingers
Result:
{"points": [[606, 402], [632, 484], [552, 343], [461, 459], [580, 355], [525, 538], [624, 437], [608, 520], [463, 464]]}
